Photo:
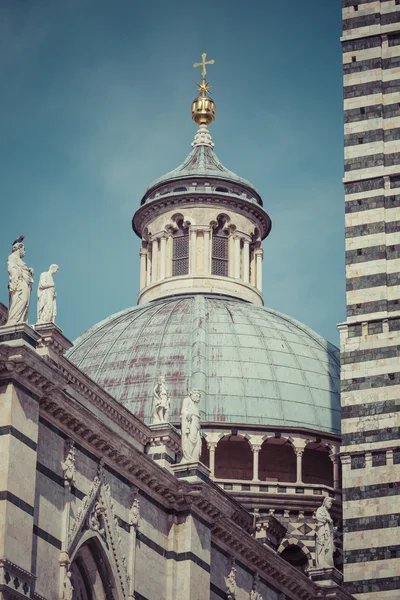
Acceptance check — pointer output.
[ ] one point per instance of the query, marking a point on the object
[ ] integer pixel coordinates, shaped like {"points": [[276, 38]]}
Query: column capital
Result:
{"points": [[298, 450], [255, 447], [142, 252], [334, 458], [259, 252], [212, 445]]}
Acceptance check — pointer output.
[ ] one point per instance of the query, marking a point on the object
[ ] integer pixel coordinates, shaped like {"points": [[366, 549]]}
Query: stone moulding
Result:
{"points": [[15, 582], [100, 492], [146, 212]]}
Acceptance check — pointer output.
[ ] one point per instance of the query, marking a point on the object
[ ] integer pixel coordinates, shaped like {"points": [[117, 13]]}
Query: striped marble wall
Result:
{"points": [[370, 338]]}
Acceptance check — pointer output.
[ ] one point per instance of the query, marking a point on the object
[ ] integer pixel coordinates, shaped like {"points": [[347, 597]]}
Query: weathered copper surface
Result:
{"points": [[253, 365]]}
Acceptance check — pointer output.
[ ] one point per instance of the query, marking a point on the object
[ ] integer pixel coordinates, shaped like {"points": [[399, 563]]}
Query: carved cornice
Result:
{"points": [[148, 211], [103, 401], [269, 564], [24, 366], [15, 582]]}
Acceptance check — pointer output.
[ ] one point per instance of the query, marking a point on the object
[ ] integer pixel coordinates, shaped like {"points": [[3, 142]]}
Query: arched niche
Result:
{"points": [[92, 575], [233, 458], [296, 557], [317, 466], [277, 461]]}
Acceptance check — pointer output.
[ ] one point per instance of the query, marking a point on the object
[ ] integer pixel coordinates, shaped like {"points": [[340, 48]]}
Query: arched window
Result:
{"points": [[296, 557], [180, 251], [219, 252]]}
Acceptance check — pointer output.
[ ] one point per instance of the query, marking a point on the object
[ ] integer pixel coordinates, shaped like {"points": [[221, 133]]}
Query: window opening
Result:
{"points": [[220, 254], [180, 251], [362, 110], [356, 7], [353, 59]]}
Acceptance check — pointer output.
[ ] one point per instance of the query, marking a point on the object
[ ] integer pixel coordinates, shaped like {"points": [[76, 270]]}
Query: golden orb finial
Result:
{"points": [[203, 107]]}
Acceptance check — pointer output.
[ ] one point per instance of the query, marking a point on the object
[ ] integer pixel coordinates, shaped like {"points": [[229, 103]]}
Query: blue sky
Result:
{"points": [[95, 104]]}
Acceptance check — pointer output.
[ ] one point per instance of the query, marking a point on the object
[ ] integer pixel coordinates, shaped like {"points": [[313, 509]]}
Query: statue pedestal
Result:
{"points": [[19, 335], [165, 444], [194, 472], [325, 577], [52, 341]]}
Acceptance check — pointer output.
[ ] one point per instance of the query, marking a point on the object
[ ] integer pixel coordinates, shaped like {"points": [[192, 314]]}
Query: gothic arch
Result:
{"points": [[93, 572]]}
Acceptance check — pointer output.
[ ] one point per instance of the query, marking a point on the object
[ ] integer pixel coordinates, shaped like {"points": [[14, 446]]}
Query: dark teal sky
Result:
{"points": [[95, 104]]}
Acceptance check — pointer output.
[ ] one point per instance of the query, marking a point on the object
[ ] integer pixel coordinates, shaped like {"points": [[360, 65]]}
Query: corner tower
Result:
{"points": [[201, 225], [370, 338]]}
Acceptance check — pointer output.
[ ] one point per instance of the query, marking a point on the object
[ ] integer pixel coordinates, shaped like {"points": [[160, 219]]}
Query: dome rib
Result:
{"points": [[143, 328], [94, 330], [271, 363], [112, 346], [295, 358]]}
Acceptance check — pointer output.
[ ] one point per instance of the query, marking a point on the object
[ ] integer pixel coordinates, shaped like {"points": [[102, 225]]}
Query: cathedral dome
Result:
{"points": [[253, 365]]}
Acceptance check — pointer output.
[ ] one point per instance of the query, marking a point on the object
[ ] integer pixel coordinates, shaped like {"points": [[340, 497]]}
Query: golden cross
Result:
{"points": [[203, 64]]}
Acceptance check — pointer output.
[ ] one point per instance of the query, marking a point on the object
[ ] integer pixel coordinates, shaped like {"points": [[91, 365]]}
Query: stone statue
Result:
{"points": [[68, 587], [231, 581], [190, 428], [19, 284], [324, 535], [46, 309], [255, 592], [96, 519], [68, 465], [161, 402], [134, 514]]}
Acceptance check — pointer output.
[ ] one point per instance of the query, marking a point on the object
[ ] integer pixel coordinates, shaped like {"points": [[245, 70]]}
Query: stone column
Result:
{"points": [[299, 464], [163, 256], [259, 257], [143, 270], [154, 260], [206, 255], [246, 261], [237, 258], [252, 268], [212, 446], [148, 271], [193, 251], [335, 460], [256, 455]]}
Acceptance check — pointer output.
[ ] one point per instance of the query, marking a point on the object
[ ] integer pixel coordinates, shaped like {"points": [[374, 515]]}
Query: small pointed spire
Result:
{"points": [[203, 137]]}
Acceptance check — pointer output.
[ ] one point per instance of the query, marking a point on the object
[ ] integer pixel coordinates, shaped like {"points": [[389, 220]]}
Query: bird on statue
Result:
{"points": [[19, 239]]}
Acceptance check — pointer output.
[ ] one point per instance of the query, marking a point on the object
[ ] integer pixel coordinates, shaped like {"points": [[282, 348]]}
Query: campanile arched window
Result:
{"points": [[219, 251], [180, 251]]}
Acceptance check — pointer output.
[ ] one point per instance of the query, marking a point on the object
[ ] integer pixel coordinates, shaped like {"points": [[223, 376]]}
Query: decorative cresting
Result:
{"points": [[201, 225]]}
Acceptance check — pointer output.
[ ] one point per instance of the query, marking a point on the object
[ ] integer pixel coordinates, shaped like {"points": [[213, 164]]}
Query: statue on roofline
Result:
{"points": [[19, 284], [161, 402], [46, 308], [190, 428], [325, 546]]}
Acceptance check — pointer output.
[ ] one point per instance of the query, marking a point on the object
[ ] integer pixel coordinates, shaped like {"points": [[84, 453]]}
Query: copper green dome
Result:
{"points": [[202, 163], [253, 365]]}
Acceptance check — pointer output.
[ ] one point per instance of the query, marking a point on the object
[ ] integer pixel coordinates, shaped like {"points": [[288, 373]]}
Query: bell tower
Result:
{"points": [[201, 225]]}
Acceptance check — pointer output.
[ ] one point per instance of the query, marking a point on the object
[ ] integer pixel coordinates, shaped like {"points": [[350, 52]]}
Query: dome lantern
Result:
{"points": [[201, 225]]}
